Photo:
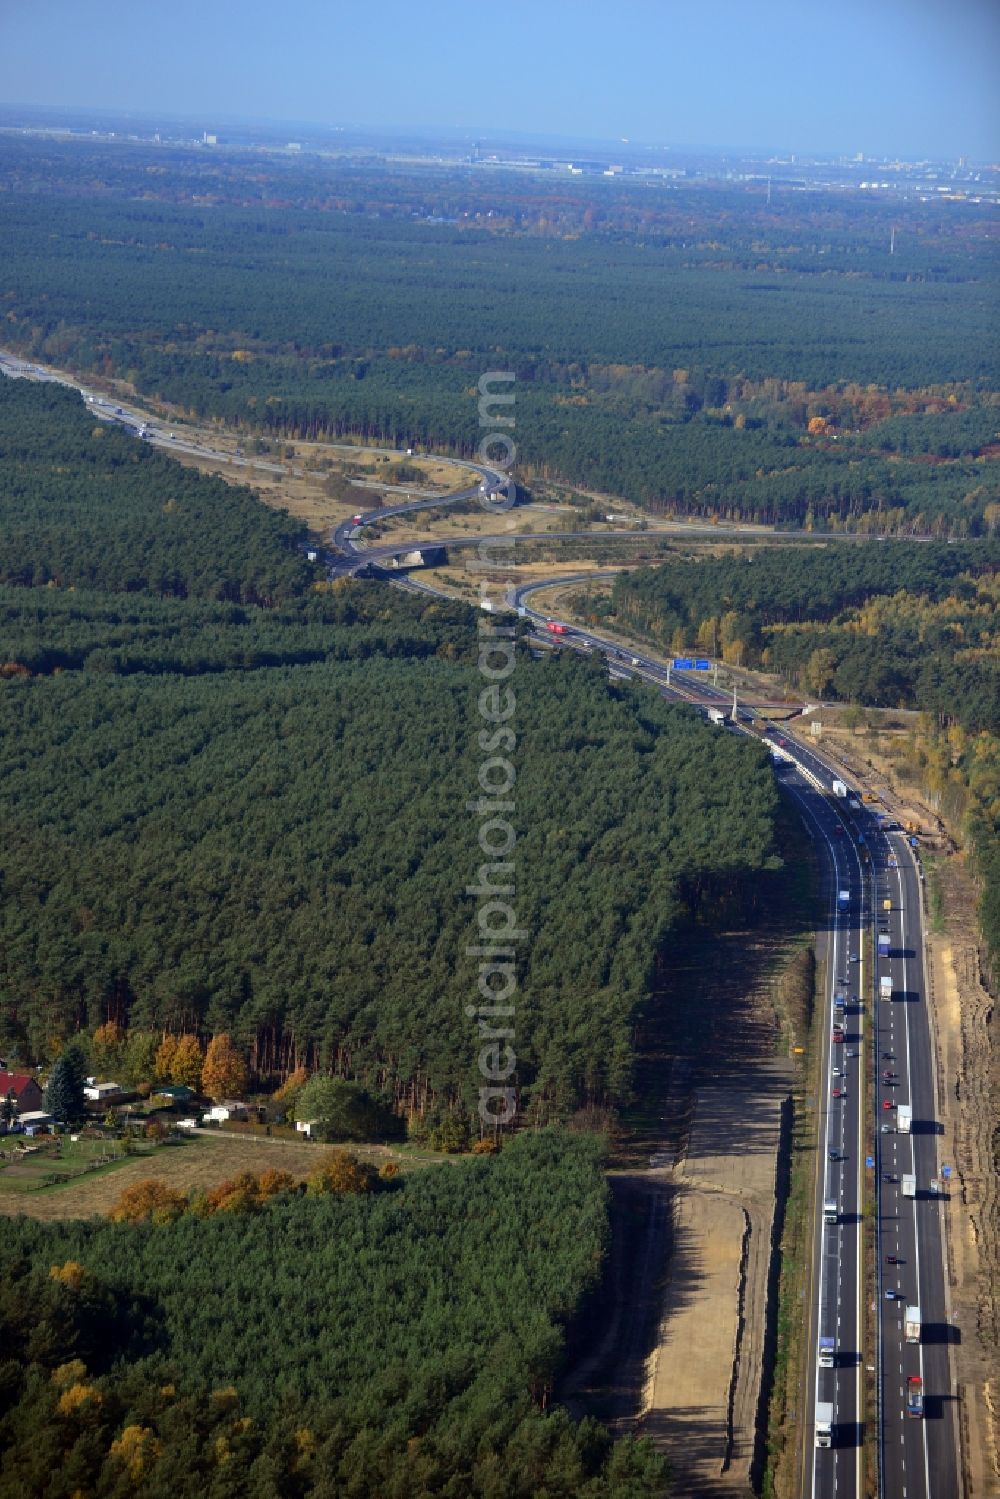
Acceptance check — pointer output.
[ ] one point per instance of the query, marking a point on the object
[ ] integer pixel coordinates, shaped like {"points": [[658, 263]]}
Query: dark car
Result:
{"points": [[891, 1259]]}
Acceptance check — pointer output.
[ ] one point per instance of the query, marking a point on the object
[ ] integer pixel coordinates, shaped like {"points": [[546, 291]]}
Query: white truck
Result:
{"points": [[911, 1324], [885, 986], [884, 942], [830, 1214], [909, 1186], [827, 1352], [839, 788], [824, 1423], [904, 1119], [716, 715], [843, 899]]}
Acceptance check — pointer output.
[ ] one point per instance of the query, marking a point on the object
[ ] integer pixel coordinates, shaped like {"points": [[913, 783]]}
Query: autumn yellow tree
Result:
{"points": [[165, 1053], [341, 1173], [241, 1194], [186, 1062], [224, 1074], [79, 1398], [136, 1449], [150, 1200], [708, 636], [70, 1274], [272, 1182], [290, 1089], [818, 674], [106, 1048]]}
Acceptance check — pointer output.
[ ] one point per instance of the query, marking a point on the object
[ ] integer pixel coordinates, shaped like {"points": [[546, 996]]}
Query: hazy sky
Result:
{"points": [[913, 77]]}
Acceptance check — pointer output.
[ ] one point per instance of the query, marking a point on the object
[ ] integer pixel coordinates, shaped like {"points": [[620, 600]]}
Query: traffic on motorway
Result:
{"points": [[877, 1138], [876, 1037]]}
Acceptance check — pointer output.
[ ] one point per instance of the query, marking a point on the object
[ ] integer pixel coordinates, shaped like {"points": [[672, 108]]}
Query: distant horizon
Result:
{"points": [[213, 122], [905, 79]]}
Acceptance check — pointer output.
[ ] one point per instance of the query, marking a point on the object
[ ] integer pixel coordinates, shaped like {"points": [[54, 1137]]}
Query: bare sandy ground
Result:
{"points": [[967, 1088], [703, 1377]]}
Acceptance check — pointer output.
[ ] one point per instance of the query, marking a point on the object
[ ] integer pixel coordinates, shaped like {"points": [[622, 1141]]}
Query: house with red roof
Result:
{"points": [[27, 1093]]}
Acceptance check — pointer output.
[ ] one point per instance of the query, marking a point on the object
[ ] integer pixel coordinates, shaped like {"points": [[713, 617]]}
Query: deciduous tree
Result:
{"points": [[224, 1074], [187, 1062]]}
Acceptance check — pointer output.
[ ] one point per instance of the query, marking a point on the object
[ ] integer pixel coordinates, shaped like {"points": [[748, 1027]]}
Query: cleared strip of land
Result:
{"points": [[703, 1377]]}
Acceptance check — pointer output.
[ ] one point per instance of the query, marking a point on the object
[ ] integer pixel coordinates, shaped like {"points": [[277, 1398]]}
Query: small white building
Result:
{"points": [[229, 1108], [306, 1127], [101, 1092]]}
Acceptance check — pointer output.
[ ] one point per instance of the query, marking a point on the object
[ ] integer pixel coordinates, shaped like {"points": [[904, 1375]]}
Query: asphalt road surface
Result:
{"points": [[885, 1038]]}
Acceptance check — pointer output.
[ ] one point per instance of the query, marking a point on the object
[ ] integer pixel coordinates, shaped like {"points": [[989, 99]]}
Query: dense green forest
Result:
{"points": [[249, 1354], [900, 625], [281, 854], [224, 817], [84, 505], [693, 354]]}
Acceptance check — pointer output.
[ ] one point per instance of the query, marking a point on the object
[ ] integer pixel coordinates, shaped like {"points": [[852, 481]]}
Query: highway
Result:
{"points": [[886, 1041], [917, 1458]]}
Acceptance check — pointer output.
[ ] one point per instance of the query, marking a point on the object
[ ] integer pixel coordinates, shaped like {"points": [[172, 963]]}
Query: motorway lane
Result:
{"points": [[916, 1457], [838, 1288], [919, 1456], [923, 1460]]}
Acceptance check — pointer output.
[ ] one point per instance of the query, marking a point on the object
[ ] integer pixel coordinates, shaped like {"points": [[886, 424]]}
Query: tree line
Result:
{"points": [[406, 1341], [85, 505], [897, 625], [647, 366]]}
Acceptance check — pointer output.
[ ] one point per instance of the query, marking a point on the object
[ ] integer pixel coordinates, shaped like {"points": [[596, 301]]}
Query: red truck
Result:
{"points": [[556, 627]]}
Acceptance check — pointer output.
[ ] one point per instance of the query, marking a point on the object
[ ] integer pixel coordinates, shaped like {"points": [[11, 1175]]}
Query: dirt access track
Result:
{"points": [[702, 1388], [966, 1051]]}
